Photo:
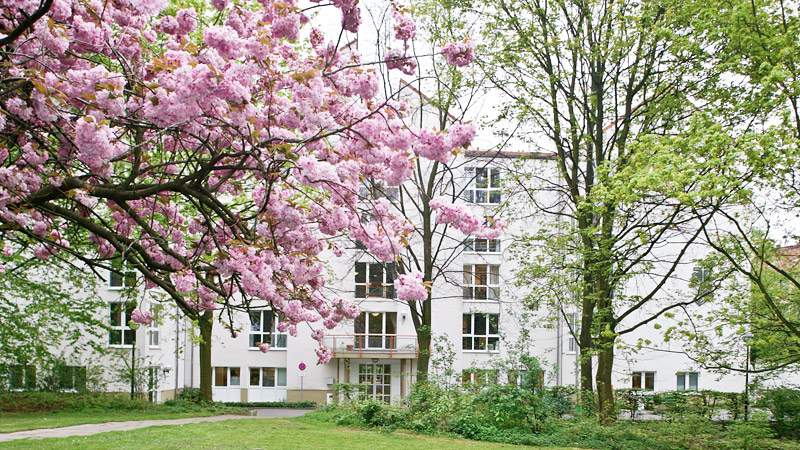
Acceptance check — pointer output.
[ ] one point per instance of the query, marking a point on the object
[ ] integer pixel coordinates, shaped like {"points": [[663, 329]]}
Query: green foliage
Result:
{"points": [[784, 404], [58, 401], [286, 405]]}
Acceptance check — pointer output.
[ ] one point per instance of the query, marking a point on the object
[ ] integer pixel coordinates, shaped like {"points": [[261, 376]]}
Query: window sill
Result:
{"points": [[266, 387], [256, 349], [128, 346], [476, 300], [469, 252], [480, 351], [229, 387], [154, 347]]}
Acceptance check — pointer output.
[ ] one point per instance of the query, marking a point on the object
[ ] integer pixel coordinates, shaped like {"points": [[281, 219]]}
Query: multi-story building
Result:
{"points": [[478, 319]]}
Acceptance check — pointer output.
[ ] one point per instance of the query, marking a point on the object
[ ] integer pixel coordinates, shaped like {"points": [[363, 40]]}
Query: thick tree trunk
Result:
{"points": [[605, 390], [206, 327], [424, 342]]}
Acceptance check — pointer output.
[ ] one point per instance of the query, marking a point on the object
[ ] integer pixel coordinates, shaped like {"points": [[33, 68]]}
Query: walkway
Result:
{"points": [[94, 428]]}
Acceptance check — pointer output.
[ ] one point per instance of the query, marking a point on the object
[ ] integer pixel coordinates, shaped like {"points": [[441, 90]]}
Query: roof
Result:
{"points": [[508, 154]]}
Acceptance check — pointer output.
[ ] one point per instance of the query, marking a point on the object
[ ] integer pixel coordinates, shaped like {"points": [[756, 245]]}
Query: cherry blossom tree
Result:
{"points": [[217, 150]]}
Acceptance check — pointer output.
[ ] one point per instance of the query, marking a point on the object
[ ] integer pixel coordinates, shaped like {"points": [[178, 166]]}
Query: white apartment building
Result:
{"points": [[477, 314]]}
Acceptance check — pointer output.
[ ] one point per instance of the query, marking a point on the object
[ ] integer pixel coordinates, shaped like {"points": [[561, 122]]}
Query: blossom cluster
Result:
{"points": [[462, 219], [219, 157], [410, 286]]}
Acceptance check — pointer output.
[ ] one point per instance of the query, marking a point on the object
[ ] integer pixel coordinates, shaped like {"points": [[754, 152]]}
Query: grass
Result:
{"points": [[300, 433], [20, 421]]}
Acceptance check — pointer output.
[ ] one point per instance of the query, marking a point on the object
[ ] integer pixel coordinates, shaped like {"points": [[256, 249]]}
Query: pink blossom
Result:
{"points": [[219, 4], [324, 355], [459, 54], [394, 59], [142, 317], [410, 286], [460, 135], [263, 347], [286, 27], [404, 28]]}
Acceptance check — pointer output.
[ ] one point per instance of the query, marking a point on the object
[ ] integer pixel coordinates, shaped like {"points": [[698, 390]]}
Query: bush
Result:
{"points": [[287, 405], [784, 404], [192, 395], [57, 401]]}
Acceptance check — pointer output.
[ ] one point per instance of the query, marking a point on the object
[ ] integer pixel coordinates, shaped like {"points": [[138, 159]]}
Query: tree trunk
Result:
{"points": [[605, 390], [424, 342], [206, 327]]}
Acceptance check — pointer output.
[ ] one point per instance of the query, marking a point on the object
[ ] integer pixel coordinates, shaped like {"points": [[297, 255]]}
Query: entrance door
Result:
{"points": [[376, 381]]}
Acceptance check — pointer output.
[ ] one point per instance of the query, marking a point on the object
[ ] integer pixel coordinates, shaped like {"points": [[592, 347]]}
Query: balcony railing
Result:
{"points": [[368, 345]]}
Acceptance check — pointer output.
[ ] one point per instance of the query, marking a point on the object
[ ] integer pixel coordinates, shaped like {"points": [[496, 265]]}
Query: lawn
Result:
{"points": [[19, 421], [300, 433]]}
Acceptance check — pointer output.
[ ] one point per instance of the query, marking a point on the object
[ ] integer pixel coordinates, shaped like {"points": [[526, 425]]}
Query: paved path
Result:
{"points": [[94, 428]]}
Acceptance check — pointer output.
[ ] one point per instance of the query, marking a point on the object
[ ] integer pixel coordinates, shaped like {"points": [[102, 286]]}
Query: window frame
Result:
{"points": [[124, 327], [125, 275], [276, 337], [278, 376], [228, 377], [686, 386], [572, 321], [471, 191], [153, 329], [470, 288], [367, 286], [474, 337], [388, 341], [643, 375], [27, 377], [471, 244]]}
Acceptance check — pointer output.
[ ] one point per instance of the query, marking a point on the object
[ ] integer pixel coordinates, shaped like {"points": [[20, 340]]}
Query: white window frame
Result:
{"points": [[123, 326], [27, 377], [228, 377], [474, 337], [363, 340], [471, 246], [277, 339], [372, 381], [127, 277], [573, 322], [153, 331], [473, 191], [687, 381], [643, 380], [278, 377], [479, 377], [386, 285], [470, 288]]}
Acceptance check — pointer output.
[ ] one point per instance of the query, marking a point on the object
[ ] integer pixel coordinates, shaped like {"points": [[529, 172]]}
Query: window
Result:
{"points": [[375, 381], [153, 375], [682, 378], [120, 276], [483, 185], [21, 377], [374, 280], [120, 333], [482, 245], [644, 380], [481, 282], [478, 377], [701, 280], [480, 332], [264, 329], [573, 329], [376, 330], [376, 190], [71, 377], [227, 376], [267, 377], [153, 332]]}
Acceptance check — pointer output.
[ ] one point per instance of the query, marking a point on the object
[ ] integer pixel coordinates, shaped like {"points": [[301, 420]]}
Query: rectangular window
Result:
{"points": [[480, 332], [643, 380], [227, 376], [374, 280], [481, 282], [375, 381], [71, 377], [373, 190], [264, 329], [687, 381], [153, 331], [375, 330], [267, 377], [21, 377], [701, 280], [120, 333], [483, 185], [120, 276], [479, 377], [472, 245], [573, 329]]}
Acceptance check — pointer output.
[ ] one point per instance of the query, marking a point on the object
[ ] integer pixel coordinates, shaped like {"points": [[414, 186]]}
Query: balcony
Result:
{"points": [[390, 346]]}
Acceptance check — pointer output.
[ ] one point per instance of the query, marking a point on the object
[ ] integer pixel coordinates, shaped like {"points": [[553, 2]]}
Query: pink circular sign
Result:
{"points": [[301, 366]]}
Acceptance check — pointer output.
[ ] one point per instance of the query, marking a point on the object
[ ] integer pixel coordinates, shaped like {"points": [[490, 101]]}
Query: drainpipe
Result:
{"points": [[177, 347]]}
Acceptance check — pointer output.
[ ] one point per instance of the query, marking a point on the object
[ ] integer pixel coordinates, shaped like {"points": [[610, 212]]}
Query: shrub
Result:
{"points": [[57, 401], [190, 395], [784, 404]]}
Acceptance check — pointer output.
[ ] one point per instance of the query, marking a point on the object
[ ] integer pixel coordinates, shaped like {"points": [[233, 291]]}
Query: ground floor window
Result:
{"points": [[267, 377], [153, 373], [20, 376], [687, 381], [479, 377], [643, 380], [227, 376], [71, 377], [375, 381]]}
